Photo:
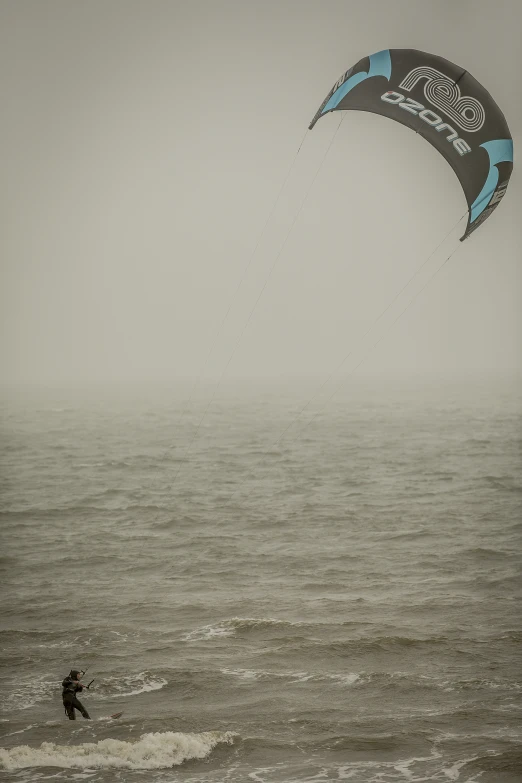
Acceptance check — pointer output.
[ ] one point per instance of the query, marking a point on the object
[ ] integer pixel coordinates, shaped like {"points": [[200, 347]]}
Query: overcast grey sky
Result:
{"points": [[144, 146]]}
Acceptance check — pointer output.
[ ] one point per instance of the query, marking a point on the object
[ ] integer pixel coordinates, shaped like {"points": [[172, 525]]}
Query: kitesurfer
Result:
{"points": [[70, 687]]}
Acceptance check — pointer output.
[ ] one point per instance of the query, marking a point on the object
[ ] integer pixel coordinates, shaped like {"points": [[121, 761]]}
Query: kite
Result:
{"points": [[443, 103]]}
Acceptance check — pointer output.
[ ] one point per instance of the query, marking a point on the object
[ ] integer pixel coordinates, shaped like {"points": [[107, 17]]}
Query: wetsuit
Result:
{"points": [[70, 687]]}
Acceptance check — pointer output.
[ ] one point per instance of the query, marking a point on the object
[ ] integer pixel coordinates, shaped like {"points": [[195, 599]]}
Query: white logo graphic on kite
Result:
{"points": [[444, 93]]}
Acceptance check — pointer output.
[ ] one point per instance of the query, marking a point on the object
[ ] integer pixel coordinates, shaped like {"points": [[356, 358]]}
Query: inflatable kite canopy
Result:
{"points": [[443, 103]]}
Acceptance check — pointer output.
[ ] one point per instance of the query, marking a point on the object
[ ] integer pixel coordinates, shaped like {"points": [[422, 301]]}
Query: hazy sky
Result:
{"points": [[145, 144]]}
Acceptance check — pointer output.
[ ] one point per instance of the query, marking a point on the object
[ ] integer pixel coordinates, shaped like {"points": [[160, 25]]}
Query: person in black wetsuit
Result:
{"points": [[70, 687]]}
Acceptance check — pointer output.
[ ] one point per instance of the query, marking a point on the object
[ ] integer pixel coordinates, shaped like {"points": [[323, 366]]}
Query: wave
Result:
{"points": [[31, 514], [135, 462], [291, 677], [409, 534], [76, 636], [7, 561], [507, 483], [29, 692], [407, 681], [236, 625], [20, 731], [398, 680], [499, 763], [21, 634], [368, 644], [121, 687], [477, 684], [158, 750], [65, 644], [513, 636], [484, 553], [110, 501], [377, 763]]}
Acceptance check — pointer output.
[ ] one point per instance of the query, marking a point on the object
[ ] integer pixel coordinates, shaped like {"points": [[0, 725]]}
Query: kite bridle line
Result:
{"points": [[226, 315], [253, 471], [270, 271]]}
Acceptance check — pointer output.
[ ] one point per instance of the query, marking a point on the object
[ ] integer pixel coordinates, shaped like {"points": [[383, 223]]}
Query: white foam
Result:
{"points": [[301, 676], [27, 694], [243, 674], [143, 682], [391, 770], [209, 632], [151, 685], [20, 731], [64, 644], [230, 627], [342, 679], [453, 772], [294, 677], [158, 750]]}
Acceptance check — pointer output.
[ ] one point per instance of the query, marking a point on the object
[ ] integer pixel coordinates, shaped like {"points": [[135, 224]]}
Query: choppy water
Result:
{"points": [[344, 606]]}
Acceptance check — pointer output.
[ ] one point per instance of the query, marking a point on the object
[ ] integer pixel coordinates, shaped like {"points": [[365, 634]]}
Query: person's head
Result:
{"points": [[75, 674]]}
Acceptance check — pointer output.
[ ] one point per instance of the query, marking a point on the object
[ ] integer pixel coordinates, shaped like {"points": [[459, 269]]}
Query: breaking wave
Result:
{"points": [[143, 682], [236, 625], [291, 677], [159, 750]]}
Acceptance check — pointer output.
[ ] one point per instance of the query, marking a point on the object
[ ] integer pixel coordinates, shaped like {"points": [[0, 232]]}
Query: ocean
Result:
{"points": [[270, 591]]}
